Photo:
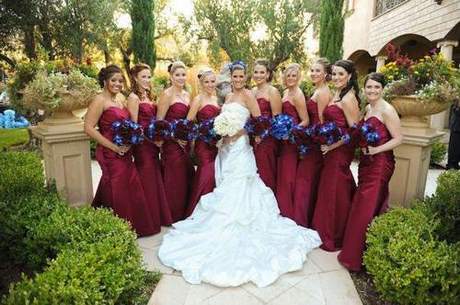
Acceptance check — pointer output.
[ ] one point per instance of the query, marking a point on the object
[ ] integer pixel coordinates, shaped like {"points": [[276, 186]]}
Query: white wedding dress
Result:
{"points": [[236, 234]]}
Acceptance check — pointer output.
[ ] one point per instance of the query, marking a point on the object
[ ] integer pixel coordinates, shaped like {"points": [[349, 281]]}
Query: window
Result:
{"points": [[382, 6]]}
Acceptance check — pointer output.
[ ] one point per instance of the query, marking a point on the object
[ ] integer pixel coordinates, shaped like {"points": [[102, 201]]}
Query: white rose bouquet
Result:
{"points": [[229, 122]]}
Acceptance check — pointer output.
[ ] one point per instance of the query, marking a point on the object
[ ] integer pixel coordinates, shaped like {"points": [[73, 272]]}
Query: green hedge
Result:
{"points": [[22, 174], [82, 256], [438, 152], [413, 254]]}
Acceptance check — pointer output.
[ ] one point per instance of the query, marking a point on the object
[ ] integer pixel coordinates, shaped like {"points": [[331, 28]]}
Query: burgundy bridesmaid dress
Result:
{"points": [[146, 158], [266, 151], [120, 187], [177, 167], [370, 199], [307, 178], [203, 181], [286, 171], [336, 188]]}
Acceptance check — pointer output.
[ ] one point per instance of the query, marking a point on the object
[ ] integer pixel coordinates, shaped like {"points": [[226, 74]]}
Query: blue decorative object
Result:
{"points": [[127, 132], [282, 125], [9, 119]]}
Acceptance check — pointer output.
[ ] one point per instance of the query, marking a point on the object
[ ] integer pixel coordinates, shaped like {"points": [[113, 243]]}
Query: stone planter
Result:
{"points": [[414, 113], [413, 155]]}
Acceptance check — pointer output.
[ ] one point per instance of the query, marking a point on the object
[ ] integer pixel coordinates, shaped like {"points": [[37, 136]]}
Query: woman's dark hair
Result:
{"points": [[106, 73], [264, 62], [377, 77], [133, 74], [326, 65], [349, 66]]}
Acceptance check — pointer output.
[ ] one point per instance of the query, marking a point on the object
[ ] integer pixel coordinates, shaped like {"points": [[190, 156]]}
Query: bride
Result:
{"points": [[236, 234]]}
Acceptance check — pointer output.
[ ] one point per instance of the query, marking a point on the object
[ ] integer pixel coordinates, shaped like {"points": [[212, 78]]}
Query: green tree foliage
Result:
{"points": [[331, 29], [227, 25], [143, 23], [61, 28]]}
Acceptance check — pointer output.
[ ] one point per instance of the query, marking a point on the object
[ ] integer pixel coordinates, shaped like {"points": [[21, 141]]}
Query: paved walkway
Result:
{"points": [[322, 281]]}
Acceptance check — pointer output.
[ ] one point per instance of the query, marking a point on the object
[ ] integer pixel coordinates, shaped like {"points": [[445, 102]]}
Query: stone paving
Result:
{"points": [[322, 281]]}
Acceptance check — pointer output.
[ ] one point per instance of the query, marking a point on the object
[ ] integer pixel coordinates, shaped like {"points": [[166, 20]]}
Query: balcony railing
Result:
{"points": [[382, 6]]}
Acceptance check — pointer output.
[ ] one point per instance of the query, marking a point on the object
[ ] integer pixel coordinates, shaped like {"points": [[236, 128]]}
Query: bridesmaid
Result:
{"points": [[120, 187], [146, 155], [309, 168], [336, 185], [269, 101], [376, 167], [204, 107], [293, 104], [176, 163]]}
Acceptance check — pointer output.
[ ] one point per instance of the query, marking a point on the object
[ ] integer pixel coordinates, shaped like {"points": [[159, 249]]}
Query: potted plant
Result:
{"points": [[422, 87], [59, 94]]}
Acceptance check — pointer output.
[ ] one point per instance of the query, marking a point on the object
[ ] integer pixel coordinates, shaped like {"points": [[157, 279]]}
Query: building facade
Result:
{"points": [[416, 26]]}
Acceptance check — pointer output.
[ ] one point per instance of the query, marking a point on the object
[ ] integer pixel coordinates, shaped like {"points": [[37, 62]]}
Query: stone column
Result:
{"points": [[67, 158], [380, 62], [440, 121], [412, 161]]}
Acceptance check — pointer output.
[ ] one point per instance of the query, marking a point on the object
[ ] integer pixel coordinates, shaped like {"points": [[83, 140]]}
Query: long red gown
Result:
{"points": [[370, 199], [203, 181], [336, 188], [146, 158], [266, 151], [307, 179], [287, 167], [120, 187], [177, 167]]}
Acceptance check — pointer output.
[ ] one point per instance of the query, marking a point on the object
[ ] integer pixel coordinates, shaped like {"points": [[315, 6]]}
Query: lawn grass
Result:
{"points": [[13, 137]]}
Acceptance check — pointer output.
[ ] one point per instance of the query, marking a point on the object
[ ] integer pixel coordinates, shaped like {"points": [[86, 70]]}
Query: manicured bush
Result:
{"points": [[21, 174], [85, 256], [445, 206], [13, 137], [438, 152], [408, 263], [20, 218]]}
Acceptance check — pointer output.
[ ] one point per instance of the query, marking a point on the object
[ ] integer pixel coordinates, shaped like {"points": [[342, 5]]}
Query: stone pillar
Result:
{"points": [[67, 158], [412, 162], [380, 62], [440, 121]]}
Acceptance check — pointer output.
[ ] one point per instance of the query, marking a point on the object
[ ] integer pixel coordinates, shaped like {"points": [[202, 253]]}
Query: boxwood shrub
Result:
{"points": [[79, 256], [413, 254]]}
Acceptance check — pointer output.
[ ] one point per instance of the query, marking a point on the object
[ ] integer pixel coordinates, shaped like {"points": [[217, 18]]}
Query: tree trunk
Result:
{"points": [[8, 60], [29, 42]]}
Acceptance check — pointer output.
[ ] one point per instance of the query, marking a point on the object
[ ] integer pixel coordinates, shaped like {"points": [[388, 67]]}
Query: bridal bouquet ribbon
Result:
{"points": [[229, 123], [158, 130], [127, 132], [258, 126], [302, 137], [329, 133], [207, 133], [184, 130], [282, 125]]}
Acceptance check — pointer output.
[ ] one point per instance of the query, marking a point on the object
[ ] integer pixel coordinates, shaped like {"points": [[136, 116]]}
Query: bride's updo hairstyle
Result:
{"points": [[349, 66], [106, 73], [292, 67], [176, 65], [238, 65]]}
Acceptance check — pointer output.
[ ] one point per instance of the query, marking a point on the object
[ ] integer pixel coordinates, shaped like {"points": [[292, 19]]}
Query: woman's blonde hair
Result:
{"points": [[176, 65], [292, 67]]}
